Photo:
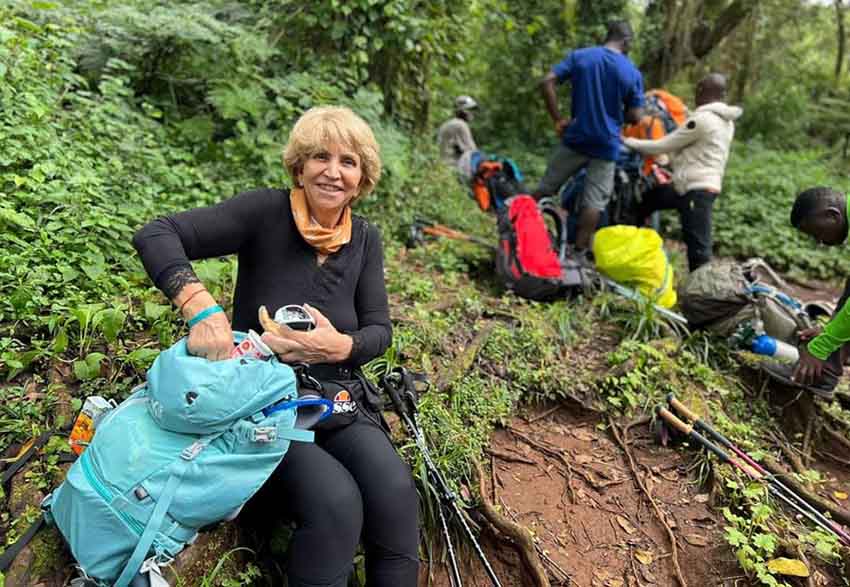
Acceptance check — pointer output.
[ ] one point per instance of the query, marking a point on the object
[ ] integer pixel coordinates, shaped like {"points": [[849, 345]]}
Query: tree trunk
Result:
{"points": [[690, 34], [744, 73], [842, 39]]}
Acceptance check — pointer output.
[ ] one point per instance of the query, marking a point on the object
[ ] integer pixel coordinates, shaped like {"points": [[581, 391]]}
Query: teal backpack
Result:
{"points": [[184, 451]]}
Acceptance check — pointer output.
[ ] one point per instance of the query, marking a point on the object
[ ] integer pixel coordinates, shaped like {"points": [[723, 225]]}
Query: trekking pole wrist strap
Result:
{"points": [[204, 314]]}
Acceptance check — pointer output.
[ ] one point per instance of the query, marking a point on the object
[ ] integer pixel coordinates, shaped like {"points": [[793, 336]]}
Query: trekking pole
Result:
{"points": [[688, 430], [701, 424], [405, 405], [443, 231], [631, 294]]}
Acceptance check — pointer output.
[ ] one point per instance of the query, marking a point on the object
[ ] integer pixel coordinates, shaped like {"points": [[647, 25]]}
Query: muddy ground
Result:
{"points": [[594, 524]]}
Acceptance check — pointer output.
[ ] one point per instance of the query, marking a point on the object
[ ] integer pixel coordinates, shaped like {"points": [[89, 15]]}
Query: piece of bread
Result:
{"points": [[270, 325]]}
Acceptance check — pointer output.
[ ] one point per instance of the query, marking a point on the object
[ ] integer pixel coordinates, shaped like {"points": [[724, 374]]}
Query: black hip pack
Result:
{"points": [[347, 388]]}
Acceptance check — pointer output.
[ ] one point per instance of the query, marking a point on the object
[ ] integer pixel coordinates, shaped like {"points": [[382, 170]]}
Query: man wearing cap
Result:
{"points": [[454, 136], [606, 89]]}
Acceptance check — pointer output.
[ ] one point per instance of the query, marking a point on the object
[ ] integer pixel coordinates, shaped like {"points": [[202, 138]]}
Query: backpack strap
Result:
{"points": [[24, 458], [154, 523], [12, 551], [178, 469], [297, 434]]}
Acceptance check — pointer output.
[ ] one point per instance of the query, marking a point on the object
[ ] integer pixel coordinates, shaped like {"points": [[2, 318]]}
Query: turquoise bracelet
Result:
{"points": [[204, 314]]}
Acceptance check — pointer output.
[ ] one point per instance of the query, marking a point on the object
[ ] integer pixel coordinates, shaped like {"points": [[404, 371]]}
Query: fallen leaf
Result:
{"points": [[840, 495], [644, 557], [788, 566], [647, 575], [695, 540], [615, 583], [601, 575], [701, 498], [626, 525]]}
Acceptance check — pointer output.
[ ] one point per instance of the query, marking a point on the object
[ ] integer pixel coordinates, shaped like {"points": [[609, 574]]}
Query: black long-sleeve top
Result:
{"points": [[277, 266]]}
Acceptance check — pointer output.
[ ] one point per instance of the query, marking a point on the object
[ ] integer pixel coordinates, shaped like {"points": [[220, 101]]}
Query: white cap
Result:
{"points": [[465, 103]]}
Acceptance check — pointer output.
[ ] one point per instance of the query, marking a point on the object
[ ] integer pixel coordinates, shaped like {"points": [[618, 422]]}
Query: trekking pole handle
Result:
{"points": [[689, 431], [681, 408], [395, 396], [675, 422]]}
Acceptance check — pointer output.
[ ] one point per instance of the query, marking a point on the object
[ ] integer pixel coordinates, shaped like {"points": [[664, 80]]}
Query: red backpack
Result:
{"points": [[526, 260]]}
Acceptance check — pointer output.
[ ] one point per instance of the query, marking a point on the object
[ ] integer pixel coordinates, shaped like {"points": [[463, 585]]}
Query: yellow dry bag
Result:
{"points": [[634, 257]]}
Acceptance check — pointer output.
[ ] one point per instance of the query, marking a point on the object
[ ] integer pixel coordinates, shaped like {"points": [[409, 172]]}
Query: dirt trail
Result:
{"points": [[608, 536]]}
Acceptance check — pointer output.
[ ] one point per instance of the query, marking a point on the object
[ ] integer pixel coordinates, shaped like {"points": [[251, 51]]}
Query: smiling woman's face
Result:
{"points": [[331, 178]]}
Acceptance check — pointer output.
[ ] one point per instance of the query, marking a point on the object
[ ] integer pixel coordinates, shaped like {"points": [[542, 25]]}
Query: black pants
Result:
{"points": [[350, 482], [694, 212]]}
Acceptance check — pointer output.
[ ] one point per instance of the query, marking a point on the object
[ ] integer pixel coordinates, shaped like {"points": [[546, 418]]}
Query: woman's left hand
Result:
{"points": [[323, 344]]}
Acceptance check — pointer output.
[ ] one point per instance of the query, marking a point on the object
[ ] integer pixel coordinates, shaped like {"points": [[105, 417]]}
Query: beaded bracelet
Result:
{"points": [[189, 299], [204, 314]]}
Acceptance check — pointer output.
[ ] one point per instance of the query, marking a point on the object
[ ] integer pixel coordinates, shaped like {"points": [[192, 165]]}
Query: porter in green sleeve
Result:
{"points": [[837, 331], [821, 213], [834, 335]]}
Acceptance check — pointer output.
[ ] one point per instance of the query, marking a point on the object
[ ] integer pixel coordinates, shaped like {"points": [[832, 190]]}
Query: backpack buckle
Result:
{"points": [[151, 569], [264, 434], [193, 450]]}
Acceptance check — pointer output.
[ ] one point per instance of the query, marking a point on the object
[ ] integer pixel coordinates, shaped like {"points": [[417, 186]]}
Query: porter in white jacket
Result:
{"points": [[698, 149]]}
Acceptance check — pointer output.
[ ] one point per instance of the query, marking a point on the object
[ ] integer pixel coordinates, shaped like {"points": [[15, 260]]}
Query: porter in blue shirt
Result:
{"points": [[607, 90]]}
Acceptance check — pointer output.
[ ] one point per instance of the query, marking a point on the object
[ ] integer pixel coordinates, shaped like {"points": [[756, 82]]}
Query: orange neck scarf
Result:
{"points": [[326, 241]]}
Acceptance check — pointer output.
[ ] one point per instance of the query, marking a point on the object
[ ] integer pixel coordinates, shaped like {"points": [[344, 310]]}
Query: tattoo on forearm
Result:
{"points": [[179, 278]]}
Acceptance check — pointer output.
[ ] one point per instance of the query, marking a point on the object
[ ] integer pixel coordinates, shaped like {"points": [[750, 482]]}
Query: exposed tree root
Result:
{"points": [[508, 457], [545, 414], [622, 440], [839, 514], [519, 535], [552, 453], [812, 430], [781, 441], [638, 422], [464, 362], [832, 457], [836, 437]]}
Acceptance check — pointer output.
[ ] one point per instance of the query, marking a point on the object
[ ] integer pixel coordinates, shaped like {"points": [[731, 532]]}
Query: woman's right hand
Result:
{"points": [[212, 337]]}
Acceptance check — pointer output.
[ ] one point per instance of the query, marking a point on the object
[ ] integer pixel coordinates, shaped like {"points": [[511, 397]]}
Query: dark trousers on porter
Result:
{"points": [[694, 209]]}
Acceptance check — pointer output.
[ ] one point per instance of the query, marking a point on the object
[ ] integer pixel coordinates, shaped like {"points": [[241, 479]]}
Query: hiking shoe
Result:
{"points": [[824, 388], [584, 257]]}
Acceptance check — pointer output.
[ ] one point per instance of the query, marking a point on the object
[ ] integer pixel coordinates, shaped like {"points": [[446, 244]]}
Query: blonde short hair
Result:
{"points": [[326, 125]]}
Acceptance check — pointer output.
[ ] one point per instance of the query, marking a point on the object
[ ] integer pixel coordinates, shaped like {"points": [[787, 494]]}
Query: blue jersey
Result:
{"points": [[604, 83]]}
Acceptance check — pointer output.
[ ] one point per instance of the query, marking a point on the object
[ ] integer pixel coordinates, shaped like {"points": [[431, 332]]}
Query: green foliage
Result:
{"points": [[397, 45], [748, 532], [593, 17], [642, 374], [752, 215], [515, 45]]}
